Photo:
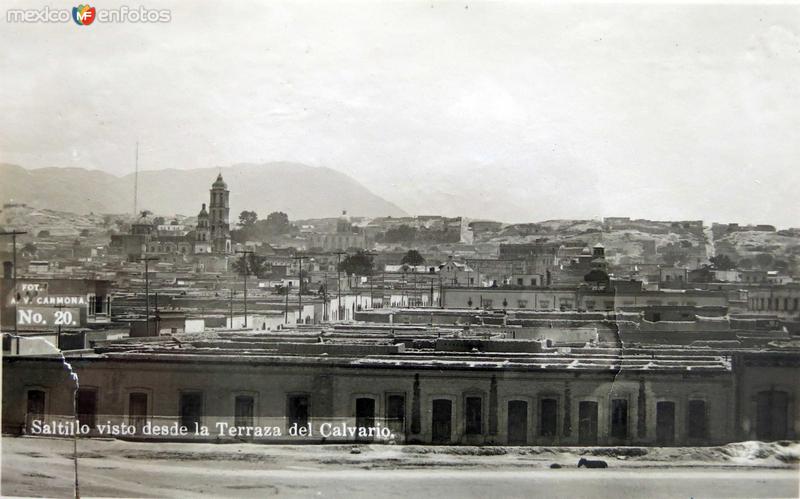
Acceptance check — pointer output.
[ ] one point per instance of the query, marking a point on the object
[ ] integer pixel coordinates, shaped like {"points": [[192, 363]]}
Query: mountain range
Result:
{"points": [[299, 190]]}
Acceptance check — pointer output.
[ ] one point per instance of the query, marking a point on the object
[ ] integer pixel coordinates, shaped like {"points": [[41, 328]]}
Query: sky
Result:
{"points": [[512, 111]]}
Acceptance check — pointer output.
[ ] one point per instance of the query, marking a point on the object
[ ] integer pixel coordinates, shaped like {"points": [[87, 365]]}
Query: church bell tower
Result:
{"points": [[218, 214]]}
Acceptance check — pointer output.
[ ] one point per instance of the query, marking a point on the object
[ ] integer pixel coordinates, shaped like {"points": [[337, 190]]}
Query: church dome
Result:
{"points": [[219, 183]]}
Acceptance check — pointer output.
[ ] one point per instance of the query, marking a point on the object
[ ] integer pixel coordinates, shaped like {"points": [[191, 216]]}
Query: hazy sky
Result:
{"points": [[512, 111]]}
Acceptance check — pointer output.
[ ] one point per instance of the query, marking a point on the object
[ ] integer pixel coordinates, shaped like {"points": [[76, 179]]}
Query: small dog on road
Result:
{"points": [[592, 463]]}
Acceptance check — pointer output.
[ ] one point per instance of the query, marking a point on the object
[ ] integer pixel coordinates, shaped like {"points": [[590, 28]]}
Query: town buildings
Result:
{"points": [[428, 385]]}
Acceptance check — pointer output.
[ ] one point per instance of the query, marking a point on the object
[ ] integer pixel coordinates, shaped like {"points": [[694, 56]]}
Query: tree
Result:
{"points": [[247, 218], [413, 258], [764, 260], [43, 233], [702, 274], [158, 221], [359, 263], [278, 223], [722, 262], [256, 265]]}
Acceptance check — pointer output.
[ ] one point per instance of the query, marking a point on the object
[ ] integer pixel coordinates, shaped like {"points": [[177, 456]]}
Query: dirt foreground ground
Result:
{"points": [[44, 467]]}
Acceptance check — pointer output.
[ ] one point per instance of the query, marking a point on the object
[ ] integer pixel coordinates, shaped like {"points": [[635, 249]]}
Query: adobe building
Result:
{"points": [[428, 385]]}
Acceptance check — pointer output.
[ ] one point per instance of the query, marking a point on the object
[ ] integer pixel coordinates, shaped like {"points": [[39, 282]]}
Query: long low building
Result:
{"points": [[427, 385], [571, 298]]}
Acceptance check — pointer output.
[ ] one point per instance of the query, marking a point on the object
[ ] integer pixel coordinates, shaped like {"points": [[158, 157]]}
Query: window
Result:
{"points": [[297, 410], [98, 304], [365, 412], [522, 303], [772, 421], [396, 413], [548, 417], [35, 407], [86, 406], [619, 418], [697, 419], [137, 409], [665, 423], [243, 410], [191, 409], [441, 415], [473, 414], [519, 281], [587, 422]]}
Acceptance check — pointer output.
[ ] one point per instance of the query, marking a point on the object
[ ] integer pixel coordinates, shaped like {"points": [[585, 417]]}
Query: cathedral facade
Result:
{"points": [[211, 235]]}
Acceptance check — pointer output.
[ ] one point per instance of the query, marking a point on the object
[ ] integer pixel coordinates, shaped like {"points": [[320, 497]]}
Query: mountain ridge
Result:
{"points": [[302, 191]]}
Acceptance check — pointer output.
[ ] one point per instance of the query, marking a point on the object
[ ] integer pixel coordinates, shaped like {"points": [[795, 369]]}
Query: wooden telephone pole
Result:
{"points": [[244, 254], [146, 260]]}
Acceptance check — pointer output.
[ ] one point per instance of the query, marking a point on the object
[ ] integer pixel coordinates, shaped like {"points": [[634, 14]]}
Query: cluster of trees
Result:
{"points": [[413, 258], [252, 264], [253, 229], [359, 263]]}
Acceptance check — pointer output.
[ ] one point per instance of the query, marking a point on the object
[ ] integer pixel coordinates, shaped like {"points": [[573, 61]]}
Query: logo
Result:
{"points": [[83, 15]]}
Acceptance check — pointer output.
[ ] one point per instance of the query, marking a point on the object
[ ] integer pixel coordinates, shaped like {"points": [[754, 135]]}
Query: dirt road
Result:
{"points": [[115, 468]]}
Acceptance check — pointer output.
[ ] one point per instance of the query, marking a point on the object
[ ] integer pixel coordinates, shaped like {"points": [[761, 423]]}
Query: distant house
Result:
{"points": [[456, 273]]}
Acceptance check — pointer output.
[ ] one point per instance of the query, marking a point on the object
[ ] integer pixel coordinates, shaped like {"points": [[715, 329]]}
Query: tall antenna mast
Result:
{"points": [[136, 183]]}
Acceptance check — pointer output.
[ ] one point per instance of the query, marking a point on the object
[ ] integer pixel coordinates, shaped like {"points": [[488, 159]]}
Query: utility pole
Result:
{"points": [[370, 254], [300, 259], [58, 338], [325, 310], [146, 260], [14, 234], [339, 283], [231, 307], [136, 182], [155, 315], [403, 301], [286, 306], [244, 254]]}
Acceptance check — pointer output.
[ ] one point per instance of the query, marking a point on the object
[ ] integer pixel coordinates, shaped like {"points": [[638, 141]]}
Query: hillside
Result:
{"points": [[299, 190]]}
